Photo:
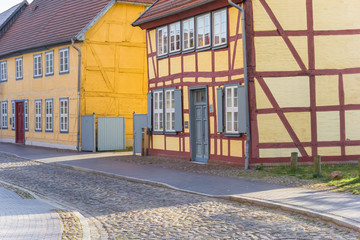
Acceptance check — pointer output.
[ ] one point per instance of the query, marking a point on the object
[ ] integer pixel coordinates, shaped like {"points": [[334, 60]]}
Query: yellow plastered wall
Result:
{"points": [[53, 87], [114, 66]]}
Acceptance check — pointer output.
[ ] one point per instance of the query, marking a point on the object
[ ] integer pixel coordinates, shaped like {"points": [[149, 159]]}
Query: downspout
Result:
{"points": [[78, 94], [248, 137]]}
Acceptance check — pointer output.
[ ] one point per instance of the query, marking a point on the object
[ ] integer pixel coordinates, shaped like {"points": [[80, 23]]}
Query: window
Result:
{"points": [[175, 37], [49, 63], [158, 111], [48, 115], [19, 68], [3, 71], [64, 60], [38, 115], [170, 110], [188, 34], [37, 66], [162, 41], [13, 115], [64, 115], [203, 30], [220, 28], [4, 115], [231, 109], [26, 115]]}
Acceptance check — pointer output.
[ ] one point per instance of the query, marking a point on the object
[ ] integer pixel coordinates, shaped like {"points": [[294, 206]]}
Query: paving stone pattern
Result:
{"points": [[27, 219], [130, 210]]}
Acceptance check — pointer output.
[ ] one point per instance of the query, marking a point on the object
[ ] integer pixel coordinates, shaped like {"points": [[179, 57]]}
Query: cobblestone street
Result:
{"points": [[127, 210]]}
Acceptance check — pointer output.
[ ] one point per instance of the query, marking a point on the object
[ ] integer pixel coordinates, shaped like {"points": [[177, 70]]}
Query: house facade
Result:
{"points": [[291, 86], [83, 59]]}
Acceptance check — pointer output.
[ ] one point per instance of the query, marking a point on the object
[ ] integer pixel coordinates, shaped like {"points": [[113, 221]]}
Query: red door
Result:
{"points": [[20, 131]]}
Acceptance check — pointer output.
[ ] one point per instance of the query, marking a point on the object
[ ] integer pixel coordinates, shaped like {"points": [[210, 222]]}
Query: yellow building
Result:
{"points": [[59, 56], [297, 90]]}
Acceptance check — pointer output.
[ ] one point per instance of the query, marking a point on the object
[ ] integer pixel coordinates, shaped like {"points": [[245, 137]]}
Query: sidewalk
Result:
{"points": [[31, 218], [342, 209]]}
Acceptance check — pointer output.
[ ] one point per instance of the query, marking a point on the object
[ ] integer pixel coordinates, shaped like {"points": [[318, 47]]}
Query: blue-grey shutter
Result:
{"points": [[242, 112], [178, 111], [220, 113], [149, 111]]}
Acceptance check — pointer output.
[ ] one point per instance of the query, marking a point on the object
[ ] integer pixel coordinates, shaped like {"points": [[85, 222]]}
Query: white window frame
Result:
{"points": [[13, 109], [188, 23], [37, 65], [3, 71], [175, 37], [232, 108], [19, 68], [205, 27], [4, 114], [49, 63], [158, 111], [162, 42], [49, 115], [169, 110], [38, 115], [26, 115], [64, 115], [64, 61], [221, 28]]}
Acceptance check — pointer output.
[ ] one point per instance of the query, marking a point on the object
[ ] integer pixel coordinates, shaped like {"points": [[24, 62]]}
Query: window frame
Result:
{"points": [[208, 46], [171, 110], [232, 109], [38, 115], [4, 115], [62, 115], [26, 115], [190, 49], [163, 54], [159, 111], [49, 116], [224, 44], [61, 60], [13, 110], [175, 41], [3, 68], [51, 60], [38, 69], [19, 67]]}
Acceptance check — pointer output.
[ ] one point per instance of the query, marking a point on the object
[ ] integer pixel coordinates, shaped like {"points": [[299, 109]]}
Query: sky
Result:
{"points": [[6, 4]]}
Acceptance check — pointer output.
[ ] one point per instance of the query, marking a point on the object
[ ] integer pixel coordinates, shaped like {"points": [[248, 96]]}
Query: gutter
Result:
{"points": [[170, 13], [248, 136], [78, 94]]}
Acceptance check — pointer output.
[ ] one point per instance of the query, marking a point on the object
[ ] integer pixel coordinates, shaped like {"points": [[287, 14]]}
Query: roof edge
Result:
{"points": [[35, 48], [133, 23], [169, 14], [20, 5], [81, 35]]}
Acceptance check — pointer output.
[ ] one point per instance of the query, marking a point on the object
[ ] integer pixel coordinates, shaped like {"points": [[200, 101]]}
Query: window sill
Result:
{"points": [[232, 134]]}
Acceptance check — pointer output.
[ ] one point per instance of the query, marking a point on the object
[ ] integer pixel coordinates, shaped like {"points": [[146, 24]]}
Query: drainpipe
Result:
{"points": [[248, 137], [78, 94]]}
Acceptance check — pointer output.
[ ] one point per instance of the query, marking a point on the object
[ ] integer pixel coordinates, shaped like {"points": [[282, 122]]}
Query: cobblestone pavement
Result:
{"points": [[128, 210]]}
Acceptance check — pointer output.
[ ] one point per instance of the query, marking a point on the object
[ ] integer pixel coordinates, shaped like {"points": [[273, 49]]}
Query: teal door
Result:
{"points": [[199, 127]]}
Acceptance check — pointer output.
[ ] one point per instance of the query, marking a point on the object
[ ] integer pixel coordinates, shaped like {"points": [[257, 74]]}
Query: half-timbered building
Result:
{"points": [[63, 59], [287, 83]]}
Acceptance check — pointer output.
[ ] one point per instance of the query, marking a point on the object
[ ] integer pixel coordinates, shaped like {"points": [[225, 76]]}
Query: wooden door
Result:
{"points": [[19, 123]]}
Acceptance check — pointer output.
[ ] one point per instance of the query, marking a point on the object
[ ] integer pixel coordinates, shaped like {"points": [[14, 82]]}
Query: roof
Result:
{"points": [[50, 22], [164, 8], [8, 17]]}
